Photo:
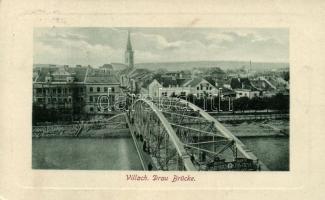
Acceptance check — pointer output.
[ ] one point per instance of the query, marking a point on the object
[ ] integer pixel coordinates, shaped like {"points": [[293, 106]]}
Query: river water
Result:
{"points": [[85, 153], [272, 150], [121, 154]]}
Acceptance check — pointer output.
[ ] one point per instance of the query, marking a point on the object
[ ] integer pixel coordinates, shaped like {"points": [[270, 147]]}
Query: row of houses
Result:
{"points": [[200, 87], [88, 90], [181, 87]]}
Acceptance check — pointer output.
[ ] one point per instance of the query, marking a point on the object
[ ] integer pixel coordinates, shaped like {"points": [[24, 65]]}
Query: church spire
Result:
{"points": [[129, 45], [129, 52]]}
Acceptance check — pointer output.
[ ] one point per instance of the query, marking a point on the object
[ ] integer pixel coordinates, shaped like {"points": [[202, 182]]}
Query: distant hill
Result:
{"points": [[174, 66], [170, 66]]}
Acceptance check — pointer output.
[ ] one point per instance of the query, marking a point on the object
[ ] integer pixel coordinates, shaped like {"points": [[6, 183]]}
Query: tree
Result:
{"points": [[241, 103]]}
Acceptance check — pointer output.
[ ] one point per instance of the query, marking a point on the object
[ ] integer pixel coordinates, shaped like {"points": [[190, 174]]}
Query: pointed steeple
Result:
{"points": [[129, 45], [129, 52]]}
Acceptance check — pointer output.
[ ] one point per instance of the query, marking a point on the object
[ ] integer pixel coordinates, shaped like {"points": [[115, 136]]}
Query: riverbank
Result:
{"points": [[266, 128]]}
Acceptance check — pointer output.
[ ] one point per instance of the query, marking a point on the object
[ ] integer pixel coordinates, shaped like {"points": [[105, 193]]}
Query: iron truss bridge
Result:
{"points": [[169, 134], [177, 135]]}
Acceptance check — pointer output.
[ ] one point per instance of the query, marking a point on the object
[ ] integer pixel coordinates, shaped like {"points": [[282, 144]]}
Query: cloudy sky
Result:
{"points": [[96, 46]]}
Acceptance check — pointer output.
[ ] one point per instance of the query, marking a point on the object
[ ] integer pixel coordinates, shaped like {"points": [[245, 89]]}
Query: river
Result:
{"points": [[120, 153], [272, 150], [85, 154]]}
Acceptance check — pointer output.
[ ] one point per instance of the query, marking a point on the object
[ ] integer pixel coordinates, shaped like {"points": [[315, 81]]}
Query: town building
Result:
{"points": [[75, 90], [171, 86], [102, 90], [60, 89], [244, 88], [84, 90]]}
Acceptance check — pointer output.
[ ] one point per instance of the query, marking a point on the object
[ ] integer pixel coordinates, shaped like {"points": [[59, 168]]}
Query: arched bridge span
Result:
{"points": [[181, 136]]}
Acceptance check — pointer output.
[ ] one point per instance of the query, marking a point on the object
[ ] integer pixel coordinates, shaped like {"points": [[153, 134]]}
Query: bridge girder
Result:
{"points": [[192, 133]]}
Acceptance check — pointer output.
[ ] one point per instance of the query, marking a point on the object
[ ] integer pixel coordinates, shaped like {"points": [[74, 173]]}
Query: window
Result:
{"points": [[91, 98], [105, 89], [198, 88], [210, 88], [69, 100], [113, 89], [81, 90], [39, 90], [201, 87], [54, 100], [98, 89], [91, 109], [65, 90], [91, 89], [54, 91], [59, 90]]}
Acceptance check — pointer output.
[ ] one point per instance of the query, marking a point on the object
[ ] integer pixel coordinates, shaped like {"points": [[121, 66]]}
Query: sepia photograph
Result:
{"points": [[161, 99]]}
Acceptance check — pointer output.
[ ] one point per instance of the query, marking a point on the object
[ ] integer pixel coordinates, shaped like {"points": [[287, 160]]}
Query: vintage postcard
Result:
{"points": [[112, 102], [124, 95]]}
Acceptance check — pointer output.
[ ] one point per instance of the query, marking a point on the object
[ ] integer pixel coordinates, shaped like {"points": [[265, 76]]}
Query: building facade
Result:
{"points": [[75, 91], [199, 87], [102, 89]]}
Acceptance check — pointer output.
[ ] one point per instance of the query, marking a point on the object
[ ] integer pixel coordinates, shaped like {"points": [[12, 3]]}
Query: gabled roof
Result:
{"points": [[106, 66], [126, 71], [119, 66], [44, 71], [241, 83], [79, 73], [101, 76], [194, 82], [138, 73], [109, 79], [59, 73], [171, 81]]}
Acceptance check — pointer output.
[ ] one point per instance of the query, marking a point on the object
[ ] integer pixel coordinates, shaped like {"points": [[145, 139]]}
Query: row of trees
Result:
{"points": [[41, 114], [278, 102]]}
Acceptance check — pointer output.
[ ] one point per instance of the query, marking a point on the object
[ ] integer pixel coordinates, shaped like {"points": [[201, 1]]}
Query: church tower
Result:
{"points": [[129, 53]]}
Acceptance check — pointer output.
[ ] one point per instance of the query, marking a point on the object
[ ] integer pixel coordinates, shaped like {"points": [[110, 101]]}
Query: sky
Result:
{"points": [[97, 46]]}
